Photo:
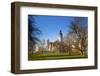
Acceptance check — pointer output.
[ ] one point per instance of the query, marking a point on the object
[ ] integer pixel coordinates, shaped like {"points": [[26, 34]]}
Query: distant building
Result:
{"points": [[50, 45]]}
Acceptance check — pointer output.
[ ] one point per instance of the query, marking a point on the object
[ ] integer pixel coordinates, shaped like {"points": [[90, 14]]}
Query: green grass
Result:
{"points": [[55, 56]]}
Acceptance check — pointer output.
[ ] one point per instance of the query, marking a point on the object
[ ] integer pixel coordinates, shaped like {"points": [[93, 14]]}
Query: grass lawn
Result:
{"points": [[55, 56]]}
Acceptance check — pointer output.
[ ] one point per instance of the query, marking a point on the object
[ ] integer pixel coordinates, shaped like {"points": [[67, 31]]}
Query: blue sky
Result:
{"points": [[51, 25]]}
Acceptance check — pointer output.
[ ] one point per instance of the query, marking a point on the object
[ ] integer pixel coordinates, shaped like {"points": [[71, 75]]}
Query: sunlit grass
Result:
{"points": [[55, 55]]}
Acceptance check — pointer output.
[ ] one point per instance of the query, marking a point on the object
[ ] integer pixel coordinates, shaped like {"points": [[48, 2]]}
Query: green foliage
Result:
{"points": [[33, 32]]}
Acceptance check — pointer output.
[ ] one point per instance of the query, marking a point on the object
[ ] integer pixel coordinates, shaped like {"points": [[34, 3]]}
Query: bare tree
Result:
{"points": [[80, 31], [56, 44], [60, 47], [69, 42]]}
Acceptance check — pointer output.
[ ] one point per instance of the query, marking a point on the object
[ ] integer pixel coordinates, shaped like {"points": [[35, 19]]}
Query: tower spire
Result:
{"points": [[61, 36]]}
